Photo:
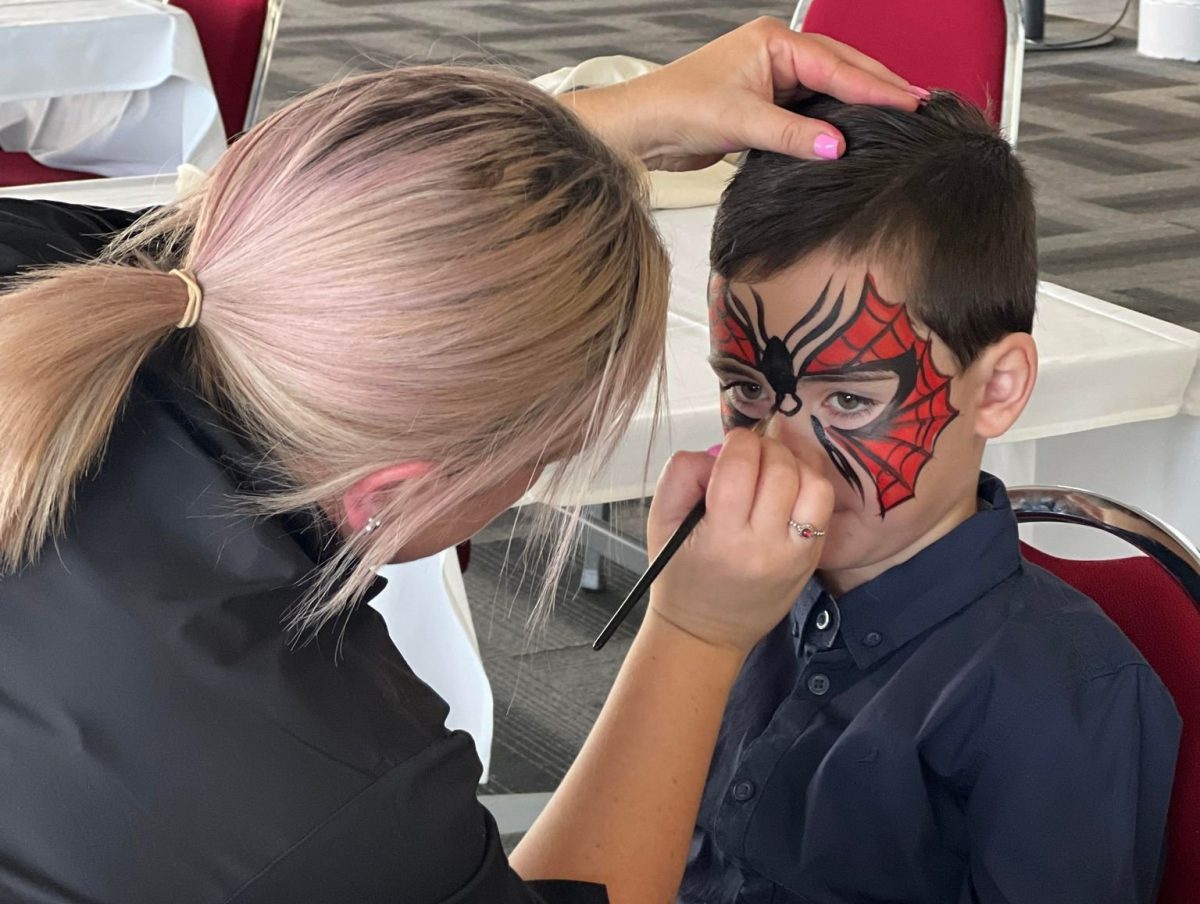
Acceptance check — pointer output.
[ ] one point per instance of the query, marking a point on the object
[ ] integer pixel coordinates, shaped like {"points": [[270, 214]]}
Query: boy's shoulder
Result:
{"points": [[1037, 649], [1060, 626]]}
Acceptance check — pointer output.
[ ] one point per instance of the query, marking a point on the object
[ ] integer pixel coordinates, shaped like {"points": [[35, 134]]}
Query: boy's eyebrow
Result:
{"points": [[730, 362], [857, 376]]}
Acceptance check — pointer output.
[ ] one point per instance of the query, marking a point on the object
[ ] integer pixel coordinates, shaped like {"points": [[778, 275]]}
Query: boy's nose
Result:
{"points": [[794, 431], [797, 433]]}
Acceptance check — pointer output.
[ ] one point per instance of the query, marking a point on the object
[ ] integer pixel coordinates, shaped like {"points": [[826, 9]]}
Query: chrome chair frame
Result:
{"points": [[266, 49], [1146, 533], [1014, 63]]}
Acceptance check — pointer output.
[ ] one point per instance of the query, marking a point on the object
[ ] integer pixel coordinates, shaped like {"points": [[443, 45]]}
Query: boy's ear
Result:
{"points": [[1007, 370]]}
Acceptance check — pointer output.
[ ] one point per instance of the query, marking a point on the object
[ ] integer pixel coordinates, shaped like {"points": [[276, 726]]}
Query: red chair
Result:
{"points": [[238, 37], [974, 47], [1155, 599]]}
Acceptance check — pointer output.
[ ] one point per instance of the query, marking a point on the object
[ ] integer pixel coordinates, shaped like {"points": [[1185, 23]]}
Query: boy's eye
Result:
{"points": [[747, 393], [849, 403], [750, 399]]}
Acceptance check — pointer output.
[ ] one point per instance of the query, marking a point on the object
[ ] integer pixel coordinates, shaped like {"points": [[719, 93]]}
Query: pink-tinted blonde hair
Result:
{"points": [[431, 263]]}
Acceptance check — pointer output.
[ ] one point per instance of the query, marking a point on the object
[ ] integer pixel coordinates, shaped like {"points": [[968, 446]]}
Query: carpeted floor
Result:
{"points": [[547, 682], [1112, 140]]}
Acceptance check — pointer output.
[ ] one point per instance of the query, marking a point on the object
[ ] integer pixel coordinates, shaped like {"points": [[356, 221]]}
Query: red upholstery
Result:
{"points": [[956, 44], [1163, 622], [231, 33], [18, 168]]}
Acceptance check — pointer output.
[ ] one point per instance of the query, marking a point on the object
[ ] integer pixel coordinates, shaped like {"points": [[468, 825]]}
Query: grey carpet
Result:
{"points": [[547, 682]]}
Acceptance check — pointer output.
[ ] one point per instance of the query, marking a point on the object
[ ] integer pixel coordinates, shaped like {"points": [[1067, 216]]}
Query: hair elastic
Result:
{"points": [[195, 301]]}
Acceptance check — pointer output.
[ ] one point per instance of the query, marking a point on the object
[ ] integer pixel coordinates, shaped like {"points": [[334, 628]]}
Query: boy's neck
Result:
{"points": [[841, 581]]}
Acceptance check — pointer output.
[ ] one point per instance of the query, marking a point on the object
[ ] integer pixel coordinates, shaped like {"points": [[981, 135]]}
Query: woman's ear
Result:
{"points": [[368, 496], [1007, 370]]}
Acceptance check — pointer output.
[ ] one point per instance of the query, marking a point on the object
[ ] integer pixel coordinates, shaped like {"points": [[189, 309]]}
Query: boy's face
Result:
{"points": [[858, 386]]}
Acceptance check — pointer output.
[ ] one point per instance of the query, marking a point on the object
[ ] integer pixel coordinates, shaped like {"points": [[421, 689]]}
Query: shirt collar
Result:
{"points": [[910, 598]]}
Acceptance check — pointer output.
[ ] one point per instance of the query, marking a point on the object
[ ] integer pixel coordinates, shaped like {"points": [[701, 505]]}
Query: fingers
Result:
{"points": [[814, 503], [771, 128], [731, 491], [762, 483], [682, 485], [775, 494], [864, 62], [830, 67]]}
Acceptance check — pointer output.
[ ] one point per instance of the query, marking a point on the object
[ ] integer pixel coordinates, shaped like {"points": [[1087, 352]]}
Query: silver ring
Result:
{"points": [[805, 530]]}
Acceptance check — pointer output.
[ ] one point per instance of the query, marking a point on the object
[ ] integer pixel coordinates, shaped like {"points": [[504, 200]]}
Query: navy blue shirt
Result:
{"points": [[963, 728]]}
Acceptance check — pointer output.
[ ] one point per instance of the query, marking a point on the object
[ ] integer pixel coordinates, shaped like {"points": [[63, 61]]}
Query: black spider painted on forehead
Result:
{"points": [[774, 356]]}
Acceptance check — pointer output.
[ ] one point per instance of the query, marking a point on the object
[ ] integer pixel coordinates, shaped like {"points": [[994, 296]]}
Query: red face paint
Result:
{"points": [[727, 334], [897, 445], [878, 337]]}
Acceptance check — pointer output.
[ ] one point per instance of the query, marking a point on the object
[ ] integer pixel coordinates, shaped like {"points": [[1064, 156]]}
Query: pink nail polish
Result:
{"points": [[919, 93], [714, 451], [826, 147]]}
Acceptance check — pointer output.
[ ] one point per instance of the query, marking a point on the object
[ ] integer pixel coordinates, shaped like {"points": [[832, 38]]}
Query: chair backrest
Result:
{"points": [[1155, 600], [238, 37], [974, 47]]}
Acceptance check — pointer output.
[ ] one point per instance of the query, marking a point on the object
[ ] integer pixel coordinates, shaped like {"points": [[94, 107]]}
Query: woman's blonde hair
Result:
{"points": [[431, 263]]}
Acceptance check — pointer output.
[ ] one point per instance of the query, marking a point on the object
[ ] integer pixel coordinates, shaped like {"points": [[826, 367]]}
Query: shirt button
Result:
{"points": [[743, 791], [873, 639], [822, 619], [818, 684]]}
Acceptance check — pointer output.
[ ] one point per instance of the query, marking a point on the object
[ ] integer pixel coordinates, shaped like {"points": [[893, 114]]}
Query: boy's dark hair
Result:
{"points": [[938, 193]]}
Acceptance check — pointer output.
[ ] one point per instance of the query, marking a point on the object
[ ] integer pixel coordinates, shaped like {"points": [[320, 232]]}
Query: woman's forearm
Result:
{"points": [[617, 114], [625, 812]]}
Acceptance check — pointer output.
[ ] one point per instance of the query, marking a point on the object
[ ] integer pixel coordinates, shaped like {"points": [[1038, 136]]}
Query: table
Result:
{"points": [[113, 87]]}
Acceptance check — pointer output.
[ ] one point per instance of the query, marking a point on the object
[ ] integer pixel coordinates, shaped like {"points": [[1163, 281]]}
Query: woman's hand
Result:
{"points": [[723, 98], [625, 813], [743, 566]]}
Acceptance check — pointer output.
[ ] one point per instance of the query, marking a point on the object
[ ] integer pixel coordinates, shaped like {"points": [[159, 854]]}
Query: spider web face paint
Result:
{"points": [[894, 447], [878, 336]]}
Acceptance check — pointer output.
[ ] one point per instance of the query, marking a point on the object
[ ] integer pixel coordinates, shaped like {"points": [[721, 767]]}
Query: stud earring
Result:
{"points": [[373, 524]]}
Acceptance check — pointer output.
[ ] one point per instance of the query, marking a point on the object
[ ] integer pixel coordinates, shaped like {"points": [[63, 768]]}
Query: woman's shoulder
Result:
{"points": [[34, 233], [160, 725]]}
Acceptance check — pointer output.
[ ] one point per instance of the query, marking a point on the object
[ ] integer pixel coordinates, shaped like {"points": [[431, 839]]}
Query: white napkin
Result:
{"points": [[698, 188]]}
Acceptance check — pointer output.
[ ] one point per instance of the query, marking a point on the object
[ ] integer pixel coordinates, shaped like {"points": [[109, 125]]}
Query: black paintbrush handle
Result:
{"points": [[660, 562], [664, 556]]}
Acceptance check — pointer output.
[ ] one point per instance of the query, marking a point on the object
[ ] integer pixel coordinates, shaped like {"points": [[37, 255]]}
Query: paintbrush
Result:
{"points": [[660, 561]]}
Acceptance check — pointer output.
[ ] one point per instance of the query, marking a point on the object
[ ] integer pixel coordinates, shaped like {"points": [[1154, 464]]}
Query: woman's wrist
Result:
{"points": [[720, 660]]}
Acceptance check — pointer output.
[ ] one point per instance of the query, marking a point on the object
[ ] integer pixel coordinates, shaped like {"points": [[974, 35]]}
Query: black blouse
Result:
{"points": [[160, 738]]}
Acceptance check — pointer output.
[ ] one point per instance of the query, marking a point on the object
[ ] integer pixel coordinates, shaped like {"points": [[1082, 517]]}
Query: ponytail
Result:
{"points": [[71, 341]]}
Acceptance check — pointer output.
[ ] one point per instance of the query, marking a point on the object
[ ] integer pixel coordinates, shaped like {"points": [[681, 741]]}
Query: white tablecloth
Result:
{"points": [[425, 607], [115, 87]]}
